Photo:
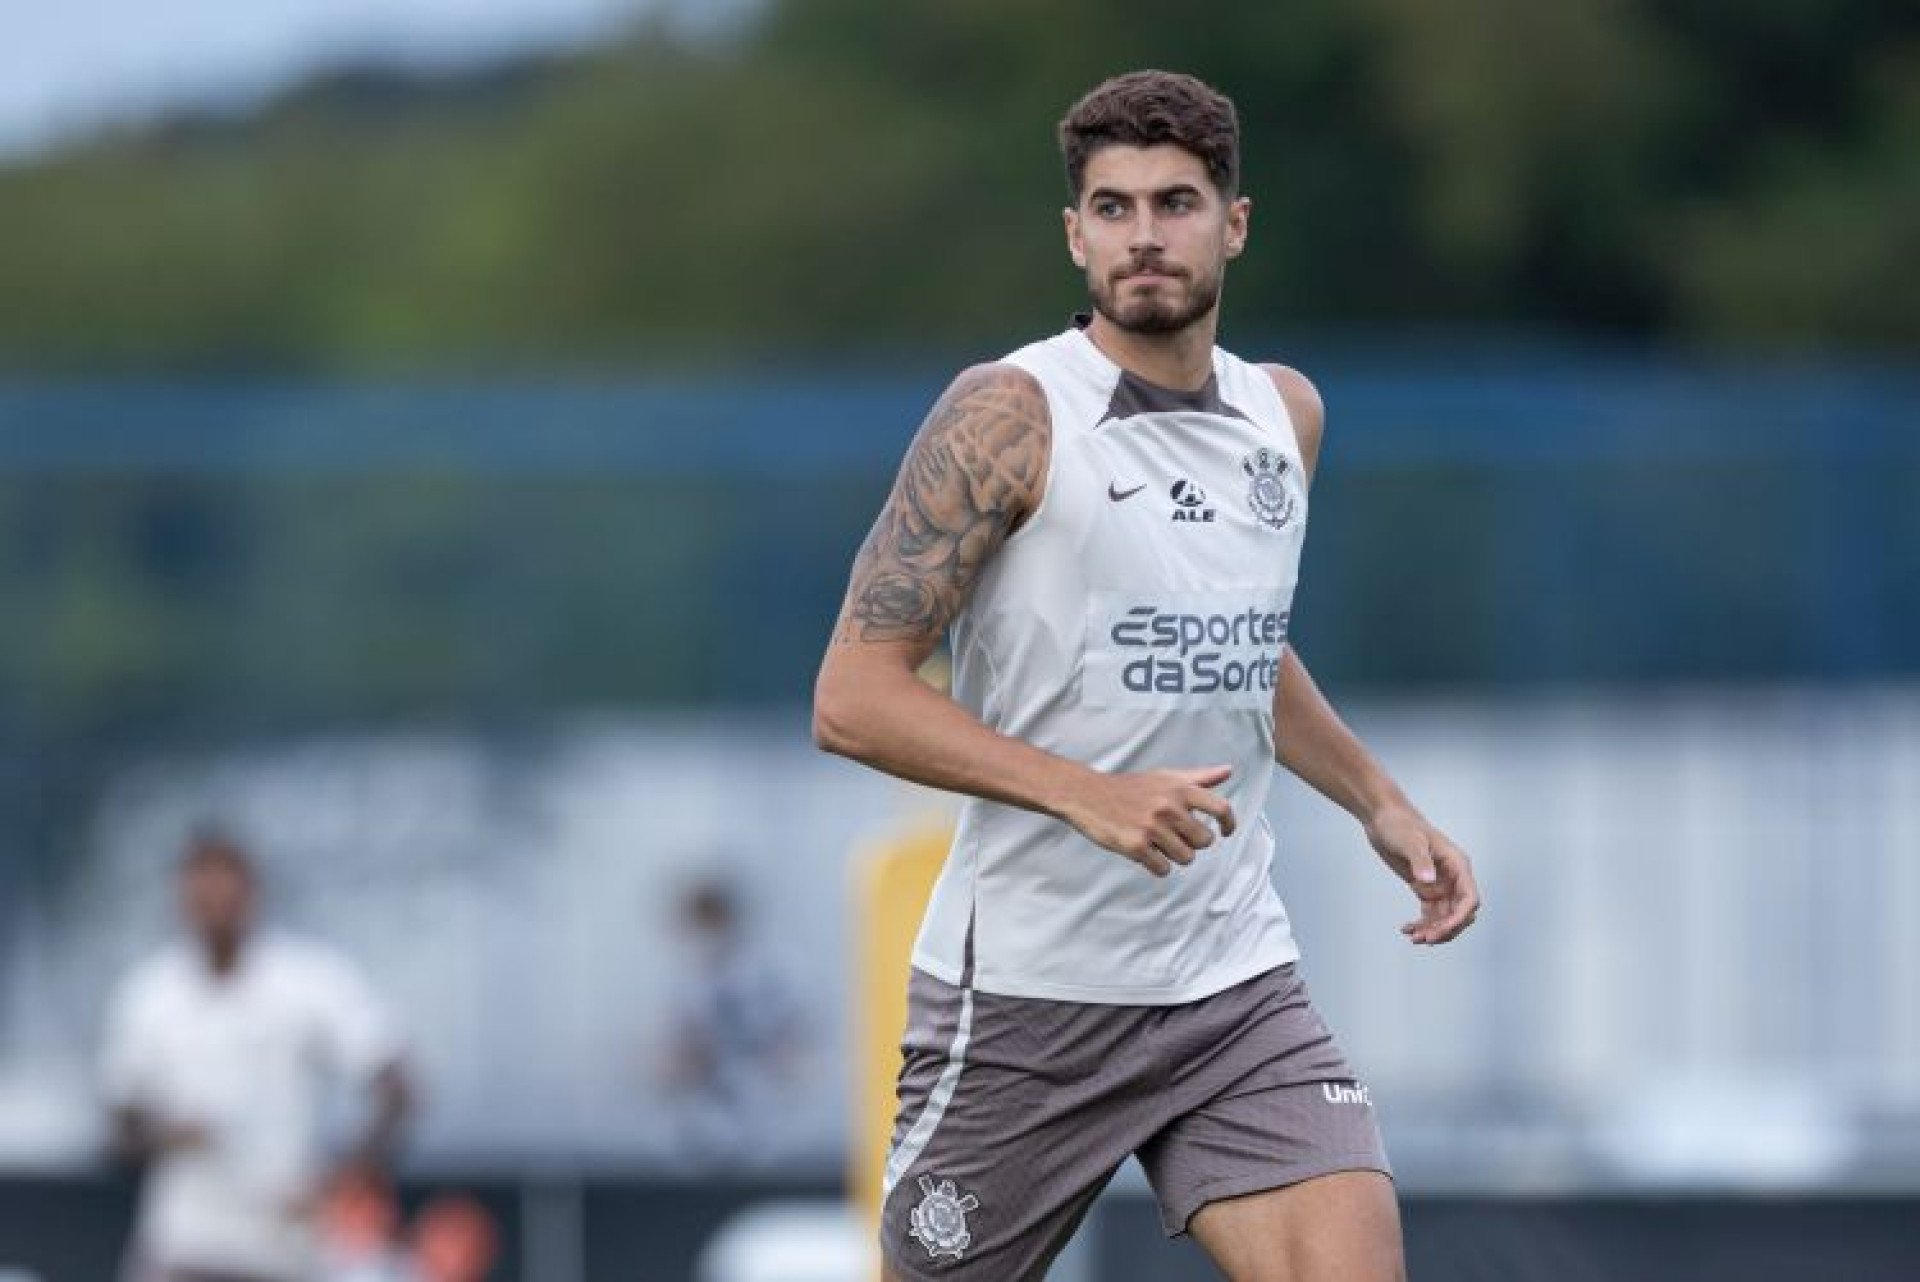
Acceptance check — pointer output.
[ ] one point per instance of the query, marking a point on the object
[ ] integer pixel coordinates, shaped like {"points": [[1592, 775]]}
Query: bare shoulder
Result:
{"points": [[997, 402], [1304, 407], [992, 424], [973, 475]]}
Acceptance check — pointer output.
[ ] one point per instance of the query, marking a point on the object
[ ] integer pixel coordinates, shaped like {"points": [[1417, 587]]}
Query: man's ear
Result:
{"points": [[1076, 248], [1238, 215]]}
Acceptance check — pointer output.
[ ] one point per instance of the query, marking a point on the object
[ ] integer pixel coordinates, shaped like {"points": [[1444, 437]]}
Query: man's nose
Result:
{"points": [[1146, 231]]}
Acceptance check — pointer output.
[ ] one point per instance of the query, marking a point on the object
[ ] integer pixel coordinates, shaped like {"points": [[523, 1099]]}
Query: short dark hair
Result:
{"points": [[1146, 108]]}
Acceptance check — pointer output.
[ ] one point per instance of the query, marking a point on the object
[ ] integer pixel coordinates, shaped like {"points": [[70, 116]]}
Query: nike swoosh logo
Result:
{"points": [[1119, 495]]}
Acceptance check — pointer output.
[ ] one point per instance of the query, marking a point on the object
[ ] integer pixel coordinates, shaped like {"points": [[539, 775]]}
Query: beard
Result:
{"points": [[1161, 310]]}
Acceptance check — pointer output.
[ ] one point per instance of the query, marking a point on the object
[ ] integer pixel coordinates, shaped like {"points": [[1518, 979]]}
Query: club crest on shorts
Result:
{"points": [[1272, 506], [940, 1221]]}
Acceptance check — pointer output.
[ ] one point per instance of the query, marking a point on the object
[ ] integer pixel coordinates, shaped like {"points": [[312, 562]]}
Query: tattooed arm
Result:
{"points": [[973, 475]]}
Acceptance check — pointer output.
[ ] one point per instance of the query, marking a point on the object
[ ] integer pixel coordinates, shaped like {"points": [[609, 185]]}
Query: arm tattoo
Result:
{"points": [[970, 477]]}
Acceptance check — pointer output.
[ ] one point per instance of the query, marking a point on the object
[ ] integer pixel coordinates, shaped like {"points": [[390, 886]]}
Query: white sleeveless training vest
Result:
{"points": [[1135, 622]]}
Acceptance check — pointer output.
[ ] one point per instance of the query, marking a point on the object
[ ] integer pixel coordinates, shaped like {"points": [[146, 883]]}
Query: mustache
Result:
{"points": [[1146, 266]]}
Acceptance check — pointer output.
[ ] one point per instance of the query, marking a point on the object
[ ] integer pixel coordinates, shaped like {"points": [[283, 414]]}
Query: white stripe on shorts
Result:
{"points": [[929, 1120]]}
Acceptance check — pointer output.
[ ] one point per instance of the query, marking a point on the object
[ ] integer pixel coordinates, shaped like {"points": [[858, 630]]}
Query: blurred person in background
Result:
{"points": [[359, 1231], [221, 1053], [453, 1239], [737, 1040], [1110, 521]]}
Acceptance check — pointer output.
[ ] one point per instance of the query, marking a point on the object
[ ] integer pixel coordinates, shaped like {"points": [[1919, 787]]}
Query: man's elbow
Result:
{"points": [[832, 719]]}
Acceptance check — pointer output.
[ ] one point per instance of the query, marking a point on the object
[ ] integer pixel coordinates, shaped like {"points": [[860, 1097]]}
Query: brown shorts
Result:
{"points": [[1015, 1112]]}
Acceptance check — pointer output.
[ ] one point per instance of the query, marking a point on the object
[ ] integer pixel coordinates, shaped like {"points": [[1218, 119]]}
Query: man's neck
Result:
{"points": [[1182, 361], [222, 955]]}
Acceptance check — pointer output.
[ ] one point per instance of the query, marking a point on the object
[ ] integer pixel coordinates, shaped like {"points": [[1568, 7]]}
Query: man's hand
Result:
{"points": [[140, 1135], [1439, 872], [181, 1136], [1153, 818]]}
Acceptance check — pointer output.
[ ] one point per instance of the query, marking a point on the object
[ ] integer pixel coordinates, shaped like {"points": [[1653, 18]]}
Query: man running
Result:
{"points": [[1109, 523]]}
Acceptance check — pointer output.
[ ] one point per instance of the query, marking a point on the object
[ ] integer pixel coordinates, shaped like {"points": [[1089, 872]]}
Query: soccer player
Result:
{"points": [[218, 1059], [1109, 522]]}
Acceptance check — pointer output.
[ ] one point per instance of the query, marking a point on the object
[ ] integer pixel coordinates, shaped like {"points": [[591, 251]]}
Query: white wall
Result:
{"points": [[1695, 963]]}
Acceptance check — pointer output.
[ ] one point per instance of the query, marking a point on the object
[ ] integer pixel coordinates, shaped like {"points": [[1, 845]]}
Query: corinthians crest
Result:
{"points": [[940, 1221], [1267, 495]]}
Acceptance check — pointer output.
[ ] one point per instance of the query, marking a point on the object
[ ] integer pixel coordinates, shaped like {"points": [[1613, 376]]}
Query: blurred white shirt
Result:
{"points": [[252, 1057]]}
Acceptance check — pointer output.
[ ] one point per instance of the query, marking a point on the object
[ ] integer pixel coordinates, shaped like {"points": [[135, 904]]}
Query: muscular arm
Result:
{"points": [[974, 473], [1312, 742], [1309, 738]]}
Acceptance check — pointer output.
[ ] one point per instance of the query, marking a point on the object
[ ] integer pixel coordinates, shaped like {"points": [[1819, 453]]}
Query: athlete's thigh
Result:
{"points": [[1343, 1227], [1009, 1126], [1273, 1104]]}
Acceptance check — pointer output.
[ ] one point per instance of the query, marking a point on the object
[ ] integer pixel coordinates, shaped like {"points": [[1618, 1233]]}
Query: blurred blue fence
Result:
{"points": [[1517, 520]]}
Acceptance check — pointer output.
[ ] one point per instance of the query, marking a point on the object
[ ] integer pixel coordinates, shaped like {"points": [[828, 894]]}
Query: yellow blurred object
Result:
{"points": [[937, 671], [893, 884]]}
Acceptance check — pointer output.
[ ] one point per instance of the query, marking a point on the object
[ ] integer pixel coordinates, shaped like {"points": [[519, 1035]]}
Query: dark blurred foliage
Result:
{"points": [[865, 177]]}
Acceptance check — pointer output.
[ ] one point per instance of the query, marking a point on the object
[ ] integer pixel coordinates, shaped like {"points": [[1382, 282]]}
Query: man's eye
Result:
{"points": [[1179, 203], [1107, 208]]}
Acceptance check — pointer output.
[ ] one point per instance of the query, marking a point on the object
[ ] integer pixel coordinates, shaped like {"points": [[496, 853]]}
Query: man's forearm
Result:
{"points": [[140, 1135], [891, 720], [392, 1093], [1311, 741], [134, 1135]]}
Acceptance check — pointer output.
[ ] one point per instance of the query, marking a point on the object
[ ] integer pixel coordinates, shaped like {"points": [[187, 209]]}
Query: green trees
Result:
{"points": [[860, 176]]}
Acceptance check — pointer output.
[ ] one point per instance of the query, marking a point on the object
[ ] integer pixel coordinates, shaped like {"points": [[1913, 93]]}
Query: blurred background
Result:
{"points": [[433, 438]]}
